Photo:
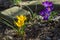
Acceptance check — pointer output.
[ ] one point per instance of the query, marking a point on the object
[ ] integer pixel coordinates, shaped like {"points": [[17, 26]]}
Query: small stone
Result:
{"points": [[10, 32], [10, 37], [7, 38], [48, 38]]}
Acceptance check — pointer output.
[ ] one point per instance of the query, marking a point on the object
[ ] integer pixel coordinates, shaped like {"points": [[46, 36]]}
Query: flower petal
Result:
{"points": [[47, 3]]}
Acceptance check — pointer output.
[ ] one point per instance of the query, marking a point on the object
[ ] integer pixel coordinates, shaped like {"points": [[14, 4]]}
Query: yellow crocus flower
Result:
{"points": [[21, 17], [19, 24], [20, 20]]}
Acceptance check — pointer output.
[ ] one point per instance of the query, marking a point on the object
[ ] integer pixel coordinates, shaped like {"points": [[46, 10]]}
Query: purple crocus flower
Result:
{"points": [[49, 8], [45, 13], [45, 18], [47, 4]]}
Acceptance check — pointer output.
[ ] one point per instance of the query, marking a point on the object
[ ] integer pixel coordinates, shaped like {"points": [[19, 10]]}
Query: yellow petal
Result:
{"points": [[20, 20]]}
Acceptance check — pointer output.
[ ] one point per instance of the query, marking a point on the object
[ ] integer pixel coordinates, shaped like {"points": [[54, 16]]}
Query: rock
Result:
{"points": [[54, 1], [7, 38], [10, 32], [28, 3], [38, 2], [48, 38], [58, 39], [57, 18], [14, 11]]}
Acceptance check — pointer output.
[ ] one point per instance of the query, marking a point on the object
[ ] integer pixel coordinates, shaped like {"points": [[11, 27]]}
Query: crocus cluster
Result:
{"points": [[20, 20], [45, 13]]}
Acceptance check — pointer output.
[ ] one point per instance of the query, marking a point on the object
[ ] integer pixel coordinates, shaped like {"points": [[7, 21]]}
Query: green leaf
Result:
{"points": [[16, 1], [51, 17], [5, 22], [54, 13]]}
